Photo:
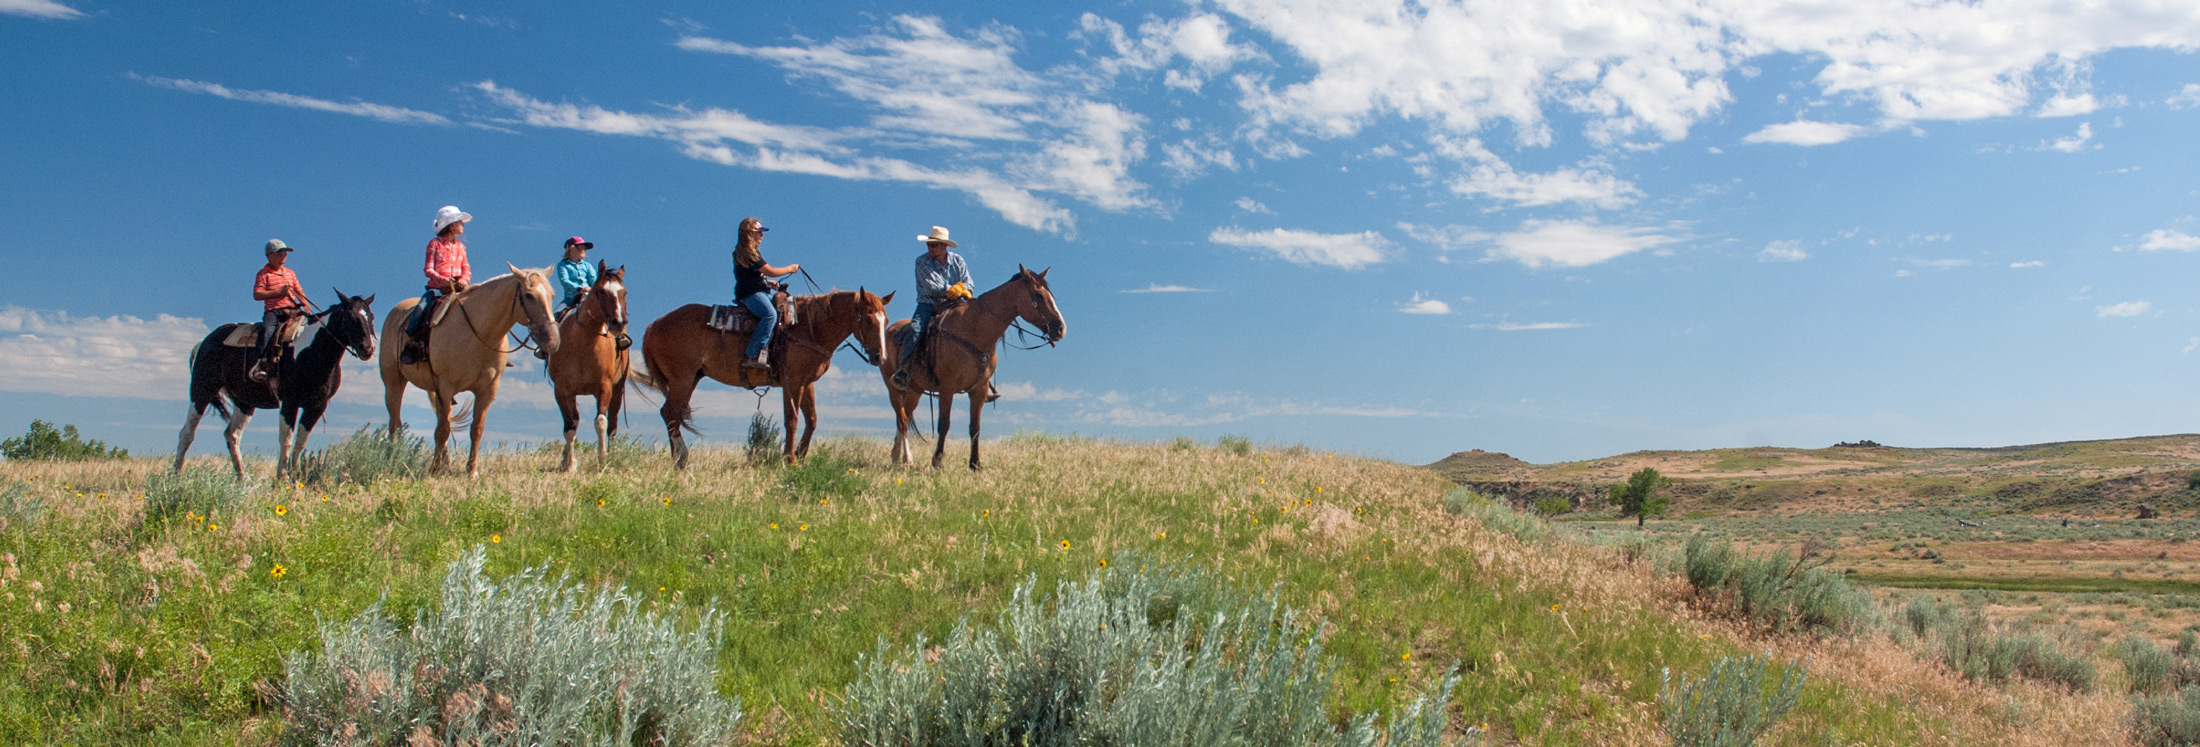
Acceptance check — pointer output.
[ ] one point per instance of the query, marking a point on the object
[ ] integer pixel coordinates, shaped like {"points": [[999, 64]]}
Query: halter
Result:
{"points": [[499, 345]]}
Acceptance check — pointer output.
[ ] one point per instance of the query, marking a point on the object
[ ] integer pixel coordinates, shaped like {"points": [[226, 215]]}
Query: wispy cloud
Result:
{"points": [[2169, 240], [1350, 251], [381, 112], [1158, 288], [1783, 251], [39, 9], [1805, 133], [1489, 176], [52, 352], [1529, 327], [2075, 142], [2185, 98], [1573, 243], [1421, 305], [2127, 308], [1253, 206], [1937, 264], [1446, 237], [2026, 264]]}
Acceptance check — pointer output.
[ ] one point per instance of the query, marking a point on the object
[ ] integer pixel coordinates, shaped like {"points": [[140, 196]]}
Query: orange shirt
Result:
{"points": [[275, 278]]}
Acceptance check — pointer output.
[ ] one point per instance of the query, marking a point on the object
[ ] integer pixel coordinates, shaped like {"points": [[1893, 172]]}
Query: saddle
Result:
{"points": [[737, 319], [247, 334]]}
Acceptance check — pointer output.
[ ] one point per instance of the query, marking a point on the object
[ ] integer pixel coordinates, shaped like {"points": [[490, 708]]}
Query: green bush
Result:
{"points": [[1552, 505], [522, 661], [44, 443], [1184, 443], [1730, 706], [1779, 591], [1708, 562], [18, 508], [1238, 445], [198, 492], [1496, 515], [764, 443], [2146, 665], [1983, 652], [2171, 720], [367, 456], [1155, 658], [823, 475]]}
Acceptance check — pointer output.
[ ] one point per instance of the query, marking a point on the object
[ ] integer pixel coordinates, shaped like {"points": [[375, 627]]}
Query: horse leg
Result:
{"points": [[234, 435], [939, 440], [442, 406], [603, 428], [977, 404], [677, 390], [190, 431], [307, 418], [286, 420], [905, 416], [618, 403], [787, 400], [481, 421], [809, 419], [393, 397], [569, 407]]}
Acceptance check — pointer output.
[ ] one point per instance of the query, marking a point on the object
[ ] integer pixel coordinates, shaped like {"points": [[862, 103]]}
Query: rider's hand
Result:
{"points": [[457, 285]]}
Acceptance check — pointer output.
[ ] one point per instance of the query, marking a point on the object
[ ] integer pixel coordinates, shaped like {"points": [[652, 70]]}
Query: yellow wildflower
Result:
{"points": [[1317, 488], [1103, 562], [1407, 656], [281, 510], [852, 470], [985, 513], [775, 526], [668, 500], [824, 501], [1554, 608], [1161, 535], [495, 538], [278, 571], [324, 497], [599, 503], [212, 527], [1065, 544], [803, 528]]}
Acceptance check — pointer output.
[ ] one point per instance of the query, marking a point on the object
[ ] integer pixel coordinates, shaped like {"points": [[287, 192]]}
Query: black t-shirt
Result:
{"points": [[748, 281]]}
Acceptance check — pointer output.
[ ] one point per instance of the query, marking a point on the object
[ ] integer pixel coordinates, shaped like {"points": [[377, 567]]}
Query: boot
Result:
{"points": [[992, 393], [416, 350], [762, 361], [258, 372]]}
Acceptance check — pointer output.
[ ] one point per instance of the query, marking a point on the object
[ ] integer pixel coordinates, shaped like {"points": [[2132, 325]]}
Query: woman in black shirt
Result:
{"points": [[752, 291]]}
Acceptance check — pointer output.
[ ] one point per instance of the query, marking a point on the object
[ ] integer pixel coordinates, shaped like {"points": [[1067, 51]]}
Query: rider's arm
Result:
{"points": [[931, 284], [781, 271], [270, 294], [958, 273]]}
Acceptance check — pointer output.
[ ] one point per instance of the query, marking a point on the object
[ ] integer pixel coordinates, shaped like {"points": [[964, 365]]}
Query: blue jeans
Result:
{"points": [[922, 316], [420, 319], [767, 321]]}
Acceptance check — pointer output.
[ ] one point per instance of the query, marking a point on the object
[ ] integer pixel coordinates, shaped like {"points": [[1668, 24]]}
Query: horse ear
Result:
{"points": [[888, 298], [1020, 269], [514, 269], [340, 294], [369, 300], [1043, 273], [601, 267]]}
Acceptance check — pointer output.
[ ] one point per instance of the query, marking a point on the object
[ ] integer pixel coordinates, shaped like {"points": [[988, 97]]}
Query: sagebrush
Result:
{"points": [[1731, 705], [368, 455]]}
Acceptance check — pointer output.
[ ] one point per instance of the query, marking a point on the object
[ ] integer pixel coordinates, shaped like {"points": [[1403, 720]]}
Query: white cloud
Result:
{"points": [[2069, 106], [1158, 288], [1025, 391], [381, 112], [1783, 251], [2191, 345], [1350, 251], [2075, 142], [1191, 158], [1806, 133], [118, 356], [1446, 237], [1421, 305], [1531, 327], [1218, 409], [1489, 176], [1938, 264], [2026, 265], [39, 9], [1201, 40], [2169, 239], [1253, 206], [2127, 308], [2185, 98], [1573, 243]]}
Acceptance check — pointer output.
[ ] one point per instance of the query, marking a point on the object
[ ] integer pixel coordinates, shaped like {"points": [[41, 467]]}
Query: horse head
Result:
{"points": [[535, 299], [871, 323], [352, 322], [1037, 306], [610, 295]]}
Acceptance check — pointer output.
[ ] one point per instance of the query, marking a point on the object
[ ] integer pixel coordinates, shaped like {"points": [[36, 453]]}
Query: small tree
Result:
{"points": [[1639, 496], [47, 443]]}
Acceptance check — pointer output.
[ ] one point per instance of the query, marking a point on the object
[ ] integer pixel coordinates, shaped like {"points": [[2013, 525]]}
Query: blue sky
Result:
{"points": [[1395, 229]]}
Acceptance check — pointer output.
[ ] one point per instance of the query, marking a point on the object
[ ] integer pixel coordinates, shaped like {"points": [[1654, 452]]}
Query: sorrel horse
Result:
{"points": [[303, 384], [590, 360], [465, 353], [959, 356], [679, 350]]}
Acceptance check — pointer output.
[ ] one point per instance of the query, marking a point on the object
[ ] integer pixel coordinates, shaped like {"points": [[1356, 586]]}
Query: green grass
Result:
{"points": [[2081, 584], [1742, 461], [166, 633]]}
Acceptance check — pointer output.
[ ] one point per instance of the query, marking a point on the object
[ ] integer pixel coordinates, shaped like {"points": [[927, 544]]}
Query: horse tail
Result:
{"points": [[462, 417]]}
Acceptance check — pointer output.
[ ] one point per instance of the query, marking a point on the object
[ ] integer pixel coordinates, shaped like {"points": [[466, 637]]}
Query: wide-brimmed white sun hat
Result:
{"points": [[939, 234], [449, 214]]}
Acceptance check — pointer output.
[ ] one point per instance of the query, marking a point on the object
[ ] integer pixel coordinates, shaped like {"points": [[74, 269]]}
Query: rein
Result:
{"points": [[499, 345]]}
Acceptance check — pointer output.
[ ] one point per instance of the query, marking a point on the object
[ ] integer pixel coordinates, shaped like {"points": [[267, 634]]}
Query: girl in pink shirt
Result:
{"points": [[447, 271]]}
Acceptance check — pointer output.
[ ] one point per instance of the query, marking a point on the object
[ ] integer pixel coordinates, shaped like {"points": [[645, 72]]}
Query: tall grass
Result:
{"points": [[1497, 515], [197, 494], [367, 456], [763, 442]]}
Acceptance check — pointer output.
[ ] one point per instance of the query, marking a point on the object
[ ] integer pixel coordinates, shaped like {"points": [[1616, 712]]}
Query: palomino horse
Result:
{"points": [[305, 381], [465, 353], [679, 350], [961, 355], [591, 361]]}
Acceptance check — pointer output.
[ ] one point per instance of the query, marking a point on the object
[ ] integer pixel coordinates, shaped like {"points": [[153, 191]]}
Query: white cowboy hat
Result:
{"points": [[939, 234], [449, 214]]}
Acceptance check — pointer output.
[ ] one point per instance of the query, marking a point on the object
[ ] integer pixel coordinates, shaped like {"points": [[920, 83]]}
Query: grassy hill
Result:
{"points": [[123, 627]]}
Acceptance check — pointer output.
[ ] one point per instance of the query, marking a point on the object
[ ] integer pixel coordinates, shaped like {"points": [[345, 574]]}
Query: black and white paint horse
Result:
{"points": [[305, 380]]}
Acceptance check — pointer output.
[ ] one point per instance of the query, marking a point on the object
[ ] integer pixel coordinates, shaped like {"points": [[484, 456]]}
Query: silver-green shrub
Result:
{"points": [[18, 508], [763, 444], [201, 491], [1731, 705], [1779, 591], [527, 660], [365, 457], [1157, 658], [1984, 652], [1496, 515], [2170, 720], [2146, 666]]}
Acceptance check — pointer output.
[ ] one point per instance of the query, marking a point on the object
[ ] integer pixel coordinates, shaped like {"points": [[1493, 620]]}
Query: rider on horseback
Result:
{"points": [[448, 273], [942, 278], [753, 292], [573, 274], [278, 287]]}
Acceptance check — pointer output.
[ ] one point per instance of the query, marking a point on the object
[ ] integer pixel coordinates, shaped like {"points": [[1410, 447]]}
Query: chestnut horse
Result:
{"points": [[465, 353], [592, 360], [678, 351], [959, 356]]}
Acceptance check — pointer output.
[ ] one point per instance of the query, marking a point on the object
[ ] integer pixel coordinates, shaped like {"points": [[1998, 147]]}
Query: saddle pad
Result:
{"points": [[247, 334], [730, 318]]}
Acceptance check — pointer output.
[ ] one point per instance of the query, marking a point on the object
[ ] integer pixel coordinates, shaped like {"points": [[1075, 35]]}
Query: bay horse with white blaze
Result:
{"points": [[466, 353], [302, 386], [959, 356], [592, 360], [680, 350]]}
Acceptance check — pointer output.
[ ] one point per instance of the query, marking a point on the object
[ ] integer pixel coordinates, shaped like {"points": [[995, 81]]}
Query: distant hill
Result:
{"points": [[2109, 477]]}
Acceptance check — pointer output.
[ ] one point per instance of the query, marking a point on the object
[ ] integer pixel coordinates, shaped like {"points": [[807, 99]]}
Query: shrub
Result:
{"points": [[1730, 706], [2171, 720], [2146, 665], [367, 456], [45, 443], [18, 507], [1495, 515], [203, 492], [1552, 505], [1983, 652], [1779, 591], [525, 660], [764, 443], [1148, 657], [1184, 443], [1238, 445]]}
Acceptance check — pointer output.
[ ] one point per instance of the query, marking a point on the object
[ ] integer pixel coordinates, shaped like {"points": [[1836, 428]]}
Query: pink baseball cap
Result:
{"points": [[580, 242]]}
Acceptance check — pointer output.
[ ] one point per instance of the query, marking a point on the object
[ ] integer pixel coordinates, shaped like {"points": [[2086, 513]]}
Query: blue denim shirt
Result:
{"points": [[933, 278], [573, 277]]}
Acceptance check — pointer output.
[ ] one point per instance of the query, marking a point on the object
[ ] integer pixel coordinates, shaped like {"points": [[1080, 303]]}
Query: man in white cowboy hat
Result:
{"points": [[941, 277], [277, 287], [448, 273]]}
